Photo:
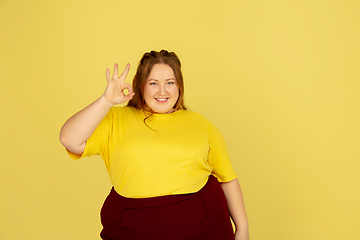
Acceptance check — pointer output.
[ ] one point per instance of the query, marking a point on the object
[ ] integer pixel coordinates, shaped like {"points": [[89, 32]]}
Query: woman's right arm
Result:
{"points": [[78, 129]]}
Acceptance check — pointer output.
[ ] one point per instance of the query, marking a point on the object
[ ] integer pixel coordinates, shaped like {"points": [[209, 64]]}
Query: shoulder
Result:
{"points": [[198, 123], [125, 111], [192, 114], [209, 125], [197, 118], [118, 114]]}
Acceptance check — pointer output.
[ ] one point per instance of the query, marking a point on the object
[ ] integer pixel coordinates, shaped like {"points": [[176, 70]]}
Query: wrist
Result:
{"points": [[242, 234], [105, 102], [242, 227]]}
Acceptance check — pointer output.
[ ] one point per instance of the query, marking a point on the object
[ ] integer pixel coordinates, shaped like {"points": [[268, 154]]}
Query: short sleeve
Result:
{"points": [[98, 142], [218, 156]]}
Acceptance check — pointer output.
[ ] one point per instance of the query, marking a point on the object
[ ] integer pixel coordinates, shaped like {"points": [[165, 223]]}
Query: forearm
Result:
{"points": [[78, 129], [236, 207]]}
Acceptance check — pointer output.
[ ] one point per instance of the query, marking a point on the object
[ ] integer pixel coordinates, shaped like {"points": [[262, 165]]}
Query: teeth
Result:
{"points": [[161, 99]]}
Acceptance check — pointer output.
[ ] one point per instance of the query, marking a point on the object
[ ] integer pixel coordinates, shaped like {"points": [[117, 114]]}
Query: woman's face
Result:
{"points": [[161, 91]]}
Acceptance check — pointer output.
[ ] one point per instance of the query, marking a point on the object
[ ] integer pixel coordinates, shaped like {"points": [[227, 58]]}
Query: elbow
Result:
{"points": [[70, 145], [70, 141], [65, 142], [62, 138]]}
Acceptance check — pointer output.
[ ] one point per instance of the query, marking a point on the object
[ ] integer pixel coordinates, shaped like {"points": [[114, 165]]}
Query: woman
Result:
{"points": [[165, 162]]}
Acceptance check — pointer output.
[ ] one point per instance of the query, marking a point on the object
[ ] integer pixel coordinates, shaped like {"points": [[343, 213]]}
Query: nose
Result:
{"points": [[162, 89]]}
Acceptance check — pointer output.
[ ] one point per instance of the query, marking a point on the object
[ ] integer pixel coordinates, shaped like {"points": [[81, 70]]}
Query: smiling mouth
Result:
{"points": [[161, 99]]}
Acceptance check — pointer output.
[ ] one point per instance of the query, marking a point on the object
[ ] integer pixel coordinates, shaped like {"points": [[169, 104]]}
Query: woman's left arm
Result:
{"points": [[235, 202]]}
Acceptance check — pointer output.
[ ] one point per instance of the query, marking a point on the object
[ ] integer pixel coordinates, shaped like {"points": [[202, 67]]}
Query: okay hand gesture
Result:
{"points": [[114, 92]]}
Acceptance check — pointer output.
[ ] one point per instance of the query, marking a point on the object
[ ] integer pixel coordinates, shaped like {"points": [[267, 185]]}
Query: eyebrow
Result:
{"points": [[158, 80]]}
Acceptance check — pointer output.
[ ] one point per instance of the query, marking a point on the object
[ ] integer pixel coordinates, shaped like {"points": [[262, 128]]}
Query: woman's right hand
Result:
{"points": [[114, 92]]}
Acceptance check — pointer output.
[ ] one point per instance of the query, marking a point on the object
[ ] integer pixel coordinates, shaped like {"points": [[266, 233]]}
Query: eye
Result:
{"points": [[170, 83], [152, 83]]}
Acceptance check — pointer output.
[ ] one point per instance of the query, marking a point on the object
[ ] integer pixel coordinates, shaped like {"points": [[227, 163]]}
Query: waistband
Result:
{"points": [[161, 200]]}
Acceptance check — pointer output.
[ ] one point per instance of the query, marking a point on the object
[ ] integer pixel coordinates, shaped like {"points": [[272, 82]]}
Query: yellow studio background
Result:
{"points": [[280, 79]]}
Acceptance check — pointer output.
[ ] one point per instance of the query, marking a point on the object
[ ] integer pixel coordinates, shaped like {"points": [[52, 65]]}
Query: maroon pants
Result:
{"points": [[195, 216]]}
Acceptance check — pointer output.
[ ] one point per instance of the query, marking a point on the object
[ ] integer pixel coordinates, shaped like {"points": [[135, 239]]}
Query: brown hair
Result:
{"points": [[145, 66]]}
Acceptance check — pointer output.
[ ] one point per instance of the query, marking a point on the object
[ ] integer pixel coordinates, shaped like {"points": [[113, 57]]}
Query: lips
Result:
{"points": [[161, 100]]}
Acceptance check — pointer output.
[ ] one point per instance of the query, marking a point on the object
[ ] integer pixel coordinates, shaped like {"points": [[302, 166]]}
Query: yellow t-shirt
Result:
{"points": [[176, 156]]}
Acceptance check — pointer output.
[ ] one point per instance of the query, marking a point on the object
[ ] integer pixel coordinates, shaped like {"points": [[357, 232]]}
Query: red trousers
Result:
{"points": [[195, 216]]}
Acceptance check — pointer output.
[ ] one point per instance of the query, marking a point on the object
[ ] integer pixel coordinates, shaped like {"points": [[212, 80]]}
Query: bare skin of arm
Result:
{"points": [[235, 201], [78, 129]]}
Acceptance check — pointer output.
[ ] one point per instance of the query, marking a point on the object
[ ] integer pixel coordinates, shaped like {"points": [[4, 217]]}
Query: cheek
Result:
{"points": [[175, 91], [147, 93]]}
